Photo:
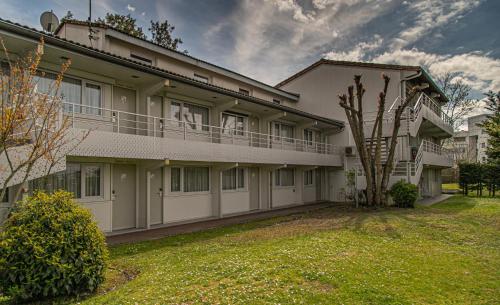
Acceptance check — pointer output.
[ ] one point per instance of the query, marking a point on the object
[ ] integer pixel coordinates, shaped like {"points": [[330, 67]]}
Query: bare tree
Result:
{"points": [[33, 130], [377, 172], [460, 104]]}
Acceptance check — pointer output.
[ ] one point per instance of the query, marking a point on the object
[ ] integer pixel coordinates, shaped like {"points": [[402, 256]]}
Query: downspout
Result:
{"points": [[403, 93]]}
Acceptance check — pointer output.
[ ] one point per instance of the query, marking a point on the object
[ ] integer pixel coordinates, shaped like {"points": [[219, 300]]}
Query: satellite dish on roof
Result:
{"points": [[49, 21]]}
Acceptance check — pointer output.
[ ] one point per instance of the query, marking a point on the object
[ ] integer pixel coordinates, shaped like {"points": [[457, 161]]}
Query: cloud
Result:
{"points": [[358, 53], [274, 38], [296, 9], [130, 8], [478, 70], [429, 16]]}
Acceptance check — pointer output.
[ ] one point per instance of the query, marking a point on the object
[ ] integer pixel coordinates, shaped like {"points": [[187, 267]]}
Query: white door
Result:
{"points": [[156, 111], [123, 195], [126, 119], [156, 196]]}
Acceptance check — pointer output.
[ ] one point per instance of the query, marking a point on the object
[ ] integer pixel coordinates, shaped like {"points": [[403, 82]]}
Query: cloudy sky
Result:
{"points": [[271, 39]]}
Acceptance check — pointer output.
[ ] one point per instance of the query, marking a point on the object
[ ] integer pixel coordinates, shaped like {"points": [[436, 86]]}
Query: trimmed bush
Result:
{"points": [[404, 194], [50, 247]]}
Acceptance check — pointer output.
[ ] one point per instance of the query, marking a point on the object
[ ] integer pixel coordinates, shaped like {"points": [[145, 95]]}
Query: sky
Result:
{"points": [[270, 40]]}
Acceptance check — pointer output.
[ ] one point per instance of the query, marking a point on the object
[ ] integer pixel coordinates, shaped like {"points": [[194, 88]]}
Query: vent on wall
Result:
{"points": [[144, 59], [350, 151]]}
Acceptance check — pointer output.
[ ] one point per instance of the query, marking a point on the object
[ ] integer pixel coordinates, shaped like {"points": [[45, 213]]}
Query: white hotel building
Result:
{"points": [[175, 139]]}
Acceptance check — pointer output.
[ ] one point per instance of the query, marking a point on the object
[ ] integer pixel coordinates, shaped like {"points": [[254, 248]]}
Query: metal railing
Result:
{"points": [[427, 101], [436, 149], [90, 117]]}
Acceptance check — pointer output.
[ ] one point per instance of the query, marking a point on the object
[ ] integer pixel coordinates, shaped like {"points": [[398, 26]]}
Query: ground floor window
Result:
{"points": [[284, 177], [189, 179], [233, 179], [71, 180], [6, 196], [309, 177]]}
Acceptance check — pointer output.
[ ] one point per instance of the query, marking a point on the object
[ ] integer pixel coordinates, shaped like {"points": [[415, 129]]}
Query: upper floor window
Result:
{"points": [[75, 99], [196, 117], [483, 145], [283, 131], [276, 101], [233, 124], [244, 91], [308, 136], [201, 78], [141, 58]]}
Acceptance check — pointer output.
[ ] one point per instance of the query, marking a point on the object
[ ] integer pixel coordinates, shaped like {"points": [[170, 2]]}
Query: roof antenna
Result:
{"points": [[91, 30]]}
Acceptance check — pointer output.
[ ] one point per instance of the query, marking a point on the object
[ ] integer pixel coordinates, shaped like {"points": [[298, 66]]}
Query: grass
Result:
{"points": [[445, 254], [450, 186]]}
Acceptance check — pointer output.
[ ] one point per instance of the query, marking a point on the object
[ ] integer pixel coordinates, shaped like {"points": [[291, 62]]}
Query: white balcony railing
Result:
{"points": [[437, 149], [97, 118], [427, 101]]}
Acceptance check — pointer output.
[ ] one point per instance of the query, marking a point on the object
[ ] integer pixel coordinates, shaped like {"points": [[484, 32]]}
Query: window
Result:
{"points": [[308, 136], [285, 131], [92, 181], [276, 101], [196, 117], [93, 100], [483, 145], [244, 91], [175, 179], [71, 181], [201, 78], [134, 56], [233, 124], [196, 179], [70, 91], [309, 177], [233, 179], [285, 177], [6, 196]]}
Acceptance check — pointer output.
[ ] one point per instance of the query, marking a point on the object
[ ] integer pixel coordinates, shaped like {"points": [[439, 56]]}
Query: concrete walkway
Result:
{"points": [[157, 233], [430, 201]]}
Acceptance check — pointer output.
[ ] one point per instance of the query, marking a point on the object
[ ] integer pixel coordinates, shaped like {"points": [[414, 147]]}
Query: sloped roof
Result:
{"points": [[324, 61], [54, 40], [179, 53]]}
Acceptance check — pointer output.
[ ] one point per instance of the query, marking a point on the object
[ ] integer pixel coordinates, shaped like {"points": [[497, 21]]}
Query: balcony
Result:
{"points": [[122, 134], [436, 155], [427, 115]]}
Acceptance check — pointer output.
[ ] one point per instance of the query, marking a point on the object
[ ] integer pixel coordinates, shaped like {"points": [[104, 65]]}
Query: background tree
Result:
{"points": [[162, 34], [376, 172], [460, 104], [123, 23], [33, 129], [492, 126], [68, 16]]}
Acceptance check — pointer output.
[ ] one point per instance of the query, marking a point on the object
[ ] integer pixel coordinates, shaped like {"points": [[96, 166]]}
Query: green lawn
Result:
{"points": [[446, 254], [450, 186]]}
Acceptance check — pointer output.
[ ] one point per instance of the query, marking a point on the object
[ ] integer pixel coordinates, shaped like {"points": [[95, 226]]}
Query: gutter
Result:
{"points": [[94, 53]]}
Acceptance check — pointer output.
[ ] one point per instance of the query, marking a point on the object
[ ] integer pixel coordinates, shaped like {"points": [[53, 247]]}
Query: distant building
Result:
{"points": [[471, 145]]}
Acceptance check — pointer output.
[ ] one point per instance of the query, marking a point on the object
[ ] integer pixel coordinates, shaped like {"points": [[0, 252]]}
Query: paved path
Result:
{"points": [[430, 201], [156, 233]]}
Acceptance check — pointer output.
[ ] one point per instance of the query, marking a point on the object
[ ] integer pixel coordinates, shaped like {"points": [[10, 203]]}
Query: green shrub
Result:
{"points": [[50, 247], [404, 194]]}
